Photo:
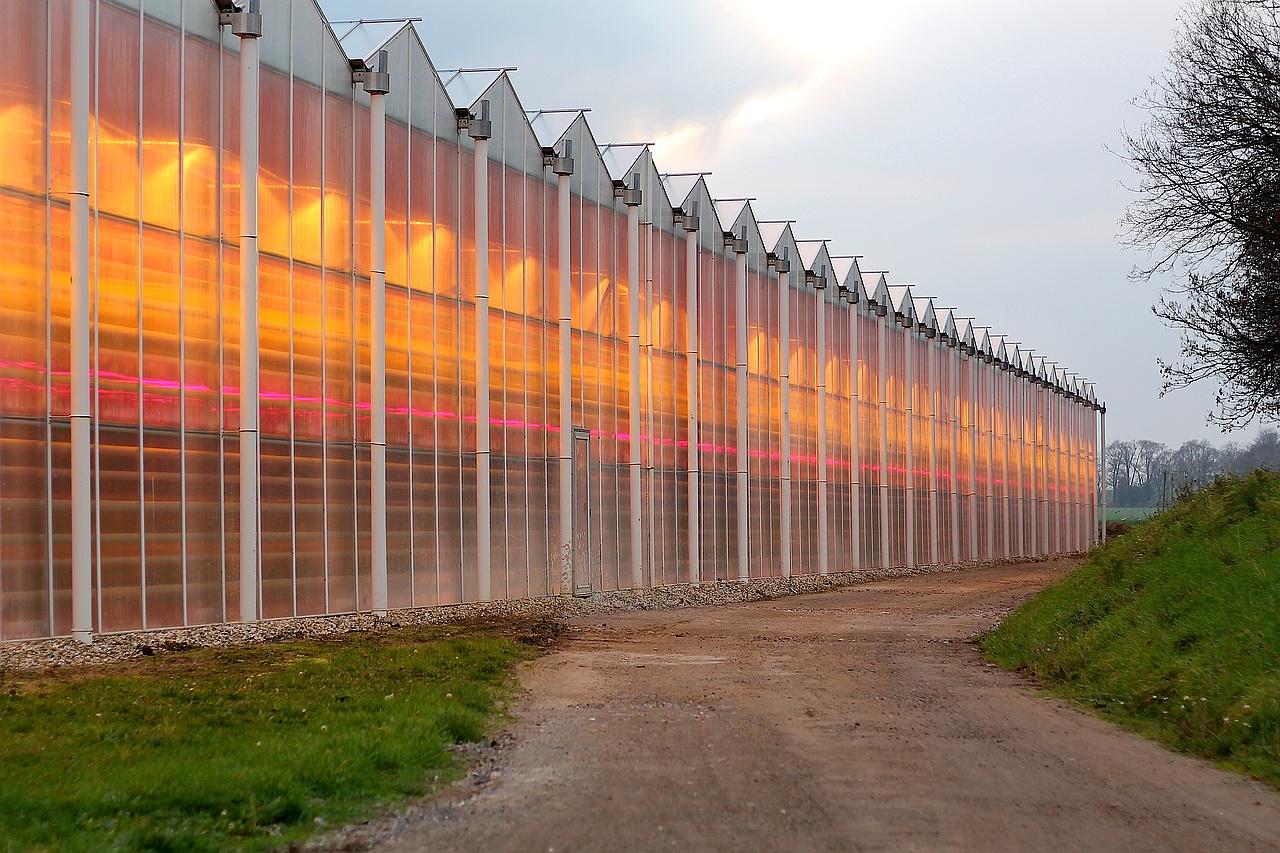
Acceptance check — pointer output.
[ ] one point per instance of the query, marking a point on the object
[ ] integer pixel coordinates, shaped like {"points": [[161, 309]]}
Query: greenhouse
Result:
{"points": [[295, 323]]}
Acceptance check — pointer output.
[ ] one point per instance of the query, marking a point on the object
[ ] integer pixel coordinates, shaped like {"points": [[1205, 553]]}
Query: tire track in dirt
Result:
{"points": [[857, 719]]}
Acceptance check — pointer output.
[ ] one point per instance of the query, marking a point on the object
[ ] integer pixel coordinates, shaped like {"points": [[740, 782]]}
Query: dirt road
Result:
{"points": [[858, 719]]}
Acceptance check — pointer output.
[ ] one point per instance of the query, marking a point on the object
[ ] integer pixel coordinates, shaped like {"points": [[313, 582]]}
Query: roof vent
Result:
{"points": [[632, 196], [376, 79], [480, 127], [691, 220], [563, 165]]}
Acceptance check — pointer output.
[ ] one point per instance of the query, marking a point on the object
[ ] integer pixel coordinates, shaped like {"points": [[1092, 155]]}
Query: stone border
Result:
{"points": [[131, 645]]}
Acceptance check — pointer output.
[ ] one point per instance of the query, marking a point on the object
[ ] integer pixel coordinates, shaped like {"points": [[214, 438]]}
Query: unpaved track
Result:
{"points": [[858, 719]]}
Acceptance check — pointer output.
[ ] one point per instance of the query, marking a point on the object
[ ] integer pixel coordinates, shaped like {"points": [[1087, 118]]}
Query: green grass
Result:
{"points": [[1173, 629], [245, 748]]}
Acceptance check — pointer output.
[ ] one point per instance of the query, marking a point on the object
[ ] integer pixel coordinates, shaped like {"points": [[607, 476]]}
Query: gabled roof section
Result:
{"points": [[925, 315], [1017, 357], [590, 179], [982, 336], [697, 202], [847, 278], [785, 247], [964, 332], [997, 348], [361, 40], [876, 286], [809, 250], [901, 301], [655, 206], [679, 189], [551, 126], [771, 233], [466, 88], [947, 324], [745, 224], [514, 142], [820, 265], [622, 161], [728, 211]]}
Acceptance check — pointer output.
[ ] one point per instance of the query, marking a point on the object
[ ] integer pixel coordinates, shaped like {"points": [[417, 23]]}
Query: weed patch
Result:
{"points": [[243, 748]]}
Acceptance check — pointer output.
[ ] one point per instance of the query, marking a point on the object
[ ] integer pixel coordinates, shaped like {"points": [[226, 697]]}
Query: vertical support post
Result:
{"points": [[740, 358], [1033, 499], [484, 518], [81, 409], [1101, 466], [974, 437], [989, 384], [909, 344], [633, 388], [650, 461], [931, 378], [248, 26], [1020, 411], [377, 82], [691, 359], [784, 404], [563, 168], [854, 311], [953, 424], [1005, 498], [824, 548], [882, 397]]}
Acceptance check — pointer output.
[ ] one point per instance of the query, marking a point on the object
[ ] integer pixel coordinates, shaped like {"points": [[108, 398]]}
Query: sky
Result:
{"points": [[967, 146]]}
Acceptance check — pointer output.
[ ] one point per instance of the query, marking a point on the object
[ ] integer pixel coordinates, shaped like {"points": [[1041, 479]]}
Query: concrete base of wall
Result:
{"points": [[111, 648]]}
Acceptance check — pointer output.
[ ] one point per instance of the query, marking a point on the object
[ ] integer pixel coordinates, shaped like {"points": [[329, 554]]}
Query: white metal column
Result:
{"points": [[932, 394], [632, 198], [377, 82], [1101, 466], [784, 404], [81, 408], [248, 26], [824, 548], [480, 131], [908, 344], [740, 357], [691, 360], [563, 168], [882, 397], [989, 392], [975, 435], [854, 310], [953, 374]]}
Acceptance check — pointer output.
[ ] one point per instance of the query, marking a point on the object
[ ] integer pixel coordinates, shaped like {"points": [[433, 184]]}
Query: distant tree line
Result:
{"points": [[1148, 473]]}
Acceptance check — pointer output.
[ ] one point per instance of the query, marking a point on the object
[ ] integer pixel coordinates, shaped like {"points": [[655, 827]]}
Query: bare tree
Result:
{"points": [[1209, 203]]}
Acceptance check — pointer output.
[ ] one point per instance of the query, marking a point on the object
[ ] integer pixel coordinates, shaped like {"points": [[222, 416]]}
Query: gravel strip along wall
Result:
{"points": [[111, 648]]}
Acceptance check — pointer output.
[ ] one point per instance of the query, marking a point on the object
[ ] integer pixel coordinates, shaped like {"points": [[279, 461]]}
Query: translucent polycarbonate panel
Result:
{"points": [[309, 529], [24, 137], [117, 154], [276, 514]]}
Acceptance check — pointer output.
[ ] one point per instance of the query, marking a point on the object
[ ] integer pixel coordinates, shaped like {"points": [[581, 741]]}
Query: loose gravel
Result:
{"points": [[131, 645]]}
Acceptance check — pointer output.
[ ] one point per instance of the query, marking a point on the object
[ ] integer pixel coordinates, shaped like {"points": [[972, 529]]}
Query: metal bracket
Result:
{"points": [[376, 81]]}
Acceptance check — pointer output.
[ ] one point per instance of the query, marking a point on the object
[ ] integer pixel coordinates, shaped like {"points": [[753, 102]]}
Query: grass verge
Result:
{"points": [[1173, 629], [245, 748]]}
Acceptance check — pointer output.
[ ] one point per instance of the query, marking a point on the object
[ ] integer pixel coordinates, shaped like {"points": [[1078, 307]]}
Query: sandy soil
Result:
{"points": [[858, 719]]}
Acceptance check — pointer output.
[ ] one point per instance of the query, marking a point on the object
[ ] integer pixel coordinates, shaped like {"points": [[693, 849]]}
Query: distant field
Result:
{"points": [[1131, 513]]}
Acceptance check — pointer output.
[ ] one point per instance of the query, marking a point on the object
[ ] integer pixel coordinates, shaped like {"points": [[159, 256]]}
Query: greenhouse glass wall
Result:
{"points": [[294, 323]]}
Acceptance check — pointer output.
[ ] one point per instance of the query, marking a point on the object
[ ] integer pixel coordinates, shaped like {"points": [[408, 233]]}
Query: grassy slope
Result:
{"points": [[241, 748], [1173, 629]]}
